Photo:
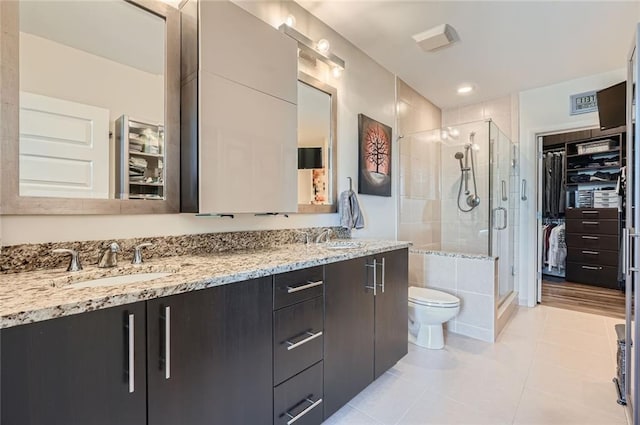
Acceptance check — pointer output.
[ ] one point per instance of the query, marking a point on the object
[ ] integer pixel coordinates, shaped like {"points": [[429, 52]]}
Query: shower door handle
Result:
{"points": [[504, 191], [505, 221], [524, 190]]}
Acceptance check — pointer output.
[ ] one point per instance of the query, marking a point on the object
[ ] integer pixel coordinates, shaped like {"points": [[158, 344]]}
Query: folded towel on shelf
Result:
{"points": [[350, 214]]}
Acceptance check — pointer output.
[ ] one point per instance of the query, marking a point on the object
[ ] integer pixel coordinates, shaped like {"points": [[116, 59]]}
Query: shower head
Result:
{"points": [[459, 156]]}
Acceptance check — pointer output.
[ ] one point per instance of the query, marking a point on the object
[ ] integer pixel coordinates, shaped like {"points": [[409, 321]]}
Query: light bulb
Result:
{"points": [[336, 72], [323, 45], [290, 21]]}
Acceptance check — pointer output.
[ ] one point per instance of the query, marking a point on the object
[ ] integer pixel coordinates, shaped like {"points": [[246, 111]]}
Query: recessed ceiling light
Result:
{"points": [[465, 89], [323, 45], [290, 21]]}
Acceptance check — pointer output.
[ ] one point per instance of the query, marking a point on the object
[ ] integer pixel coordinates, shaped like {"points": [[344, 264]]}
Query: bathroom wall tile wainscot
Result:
{"points": [[472, 278]]}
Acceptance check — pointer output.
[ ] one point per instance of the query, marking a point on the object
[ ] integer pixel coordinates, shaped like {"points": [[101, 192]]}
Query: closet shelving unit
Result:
{"points": [[140, 170]]}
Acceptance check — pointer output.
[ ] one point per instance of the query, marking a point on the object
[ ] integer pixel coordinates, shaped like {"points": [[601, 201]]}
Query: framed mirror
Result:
{"points": [[90, 107], [317, 123]]}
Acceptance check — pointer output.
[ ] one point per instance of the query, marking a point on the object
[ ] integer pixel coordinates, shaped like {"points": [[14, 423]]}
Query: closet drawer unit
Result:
{"points": [[593, 257], [605, 276], [296, 286], [593, 227], [595, 242], [299, 399], [592, 213], [297, 338], [601, 195]]}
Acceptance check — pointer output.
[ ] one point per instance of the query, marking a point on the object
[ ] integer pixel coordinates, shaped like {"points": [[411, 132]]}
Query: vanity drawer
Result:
{"points": [[297, 338], [592, 213], [592, 256], [296, 286], [596, 242], [300, 397], [592, 226], [605, 276]]}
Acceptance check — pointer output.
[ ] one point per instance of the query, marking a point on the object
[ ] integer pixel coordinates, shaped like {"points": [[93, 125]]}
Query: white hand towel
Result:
{"points": [[350, 214]]}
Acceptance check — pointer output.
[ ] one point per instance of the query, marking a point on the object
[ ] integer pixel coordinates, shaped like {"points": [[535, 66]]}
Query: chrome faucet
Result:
{"points": [[109, 256], [74, 263], [137, 253], [324, 235]]}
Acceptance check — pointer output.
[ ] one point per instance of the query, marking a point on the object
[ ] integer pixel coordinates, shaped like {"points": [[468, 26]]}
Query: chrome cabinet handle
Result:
{"points": [[310, 284], [591, 223], [590, 212], [375, 281], [591, 268], [311, 337], [132, 379], [504, 191], [625, 251], [167, 342], [591, 237], [313, 405], [591, 252], [383, 273], [523, 191]]}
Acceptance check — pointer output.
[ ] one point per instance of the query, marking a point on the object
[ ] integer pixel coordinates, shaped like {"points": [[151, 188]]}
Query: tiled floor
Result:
{"points": [[549, 366]]}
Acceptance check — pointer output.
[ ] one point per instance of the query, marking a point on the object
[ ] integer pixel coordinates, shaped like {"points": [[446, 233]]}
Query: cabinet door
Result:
{"points": [[248, 149], [348, 338], [391, 310], [242, 48], [215, 366], [75, 370]]}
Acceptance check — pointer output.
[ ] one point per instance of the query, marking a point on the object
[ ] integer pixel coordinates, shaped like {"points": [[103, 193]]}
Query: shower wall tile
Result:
{"points": [[476, 310], [416, 270], [476, 276], [440, 272], [473, 331]]}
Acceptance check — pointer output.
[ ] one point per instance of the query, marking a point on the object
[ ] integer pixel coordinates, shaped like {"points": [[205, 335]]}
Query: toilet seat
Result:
{"points": [[432, 298]]}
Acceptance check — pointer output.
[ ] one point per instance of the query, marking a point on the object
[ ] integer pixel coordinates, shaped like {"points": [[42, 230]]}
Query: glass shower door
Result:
{"points": [[502, 177]]}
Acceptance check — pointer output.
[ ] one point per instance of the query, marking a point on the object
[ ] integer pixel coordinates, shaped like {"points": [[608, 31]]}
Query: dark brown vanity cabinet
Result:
{"points": [[209, 356], [201, 357], [86, 369], [365, 323]]}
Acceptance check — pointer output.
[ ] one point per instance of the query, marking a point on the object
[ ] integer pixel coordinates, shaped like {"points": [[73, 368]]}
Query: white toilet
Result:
{"points": [[428, 310]]}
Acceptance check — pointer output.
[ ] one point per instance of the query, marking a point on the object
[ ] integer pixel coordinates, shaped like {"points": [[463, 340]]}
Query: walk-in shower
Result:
{"points": [[472, 199], [458, 206]]}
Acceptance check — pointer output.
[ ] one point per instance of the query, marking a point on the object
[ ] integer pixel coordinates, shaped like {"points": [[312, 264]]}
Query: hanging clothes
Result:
{"points": [[557, 248], [554, 199]]}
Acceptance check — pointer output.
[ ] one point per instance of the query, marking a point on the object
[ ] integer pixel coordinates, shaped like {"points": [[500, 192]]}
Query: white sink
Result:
{"points": [[343, 245], [118, 280]]}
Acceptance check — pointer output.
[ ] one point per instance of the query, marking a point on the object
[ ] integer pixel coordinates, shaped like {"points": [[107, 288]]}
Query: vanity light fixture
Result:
{"points": [[290, 21], [323, 46], [310, 49]]}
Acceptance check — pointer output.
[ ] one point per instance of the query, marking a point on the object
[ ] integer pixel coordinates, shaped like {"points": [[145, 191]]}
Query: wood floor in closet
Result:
{"points": [[584, 298]]}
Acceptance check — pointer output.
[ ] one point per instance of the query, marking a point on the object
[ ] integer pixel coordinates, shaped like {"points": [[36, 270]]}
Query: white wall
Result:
{"points": [[546, 110], [365, 87]]}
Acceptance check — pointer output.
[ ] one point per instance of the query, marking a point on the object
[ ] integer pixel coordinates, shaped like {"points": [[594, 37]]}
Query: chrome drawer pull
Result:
{"points": [[591, 252], [590, 237], [311, 336], [590, 212], [591, 268], [593, 223], [310, 284], [132, 378], [314, 404], [167, 342]]}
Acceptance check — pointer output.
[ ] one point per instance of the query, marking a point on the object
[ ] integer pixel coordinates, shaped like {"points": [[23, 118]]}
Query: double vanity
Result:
{"points": [[275, 336]]}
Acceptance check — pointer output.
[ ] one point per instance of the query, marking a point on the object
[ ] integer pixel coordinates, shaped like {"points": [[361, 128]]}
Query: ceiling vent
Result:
{"points": [[436, 37]]}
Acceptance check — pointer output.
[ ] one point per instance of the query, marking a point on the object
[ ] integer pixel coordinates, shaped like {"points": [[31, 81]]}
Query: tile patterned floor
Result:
{"points": [[548, 367]]}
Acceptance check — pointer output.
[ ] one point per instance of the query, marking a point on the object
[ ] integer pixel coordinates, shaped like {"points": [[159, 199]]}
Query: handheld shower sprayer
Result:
{"points": [[459, 156], [472, 200]]}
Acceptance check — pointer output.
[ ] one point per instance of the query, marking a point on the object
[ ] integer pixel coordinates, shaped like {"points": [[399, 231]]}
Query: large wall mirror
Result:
{"points": [[94, 89], [317, 112]]}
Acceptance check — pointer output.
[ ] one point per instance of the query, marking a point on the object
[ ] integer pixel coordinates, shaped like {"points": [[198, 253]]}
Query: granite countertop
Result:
{"points": [[418, 250], [40, 295]]}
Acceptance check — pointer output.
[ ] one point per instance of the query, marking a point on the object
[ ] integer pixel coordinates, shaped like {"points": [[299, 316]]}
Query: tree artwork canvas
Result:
{"points": [[374, 139]]}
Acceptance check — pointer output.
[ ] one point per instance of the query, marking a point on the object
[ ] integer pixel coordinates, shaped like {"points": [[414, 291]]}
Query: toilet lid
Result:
{"points": [[431, 297]]}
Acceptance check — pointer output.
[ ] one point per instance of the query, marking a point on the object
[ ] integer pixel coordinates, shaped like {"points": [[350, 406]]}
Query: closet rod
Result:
{"points": [[552, 150]]}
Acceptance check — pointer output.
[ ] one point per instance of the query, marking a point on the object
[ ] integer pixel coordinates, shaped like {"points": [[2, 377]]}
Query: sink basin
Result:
{"points": [[118, 280], [343, 245]]}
